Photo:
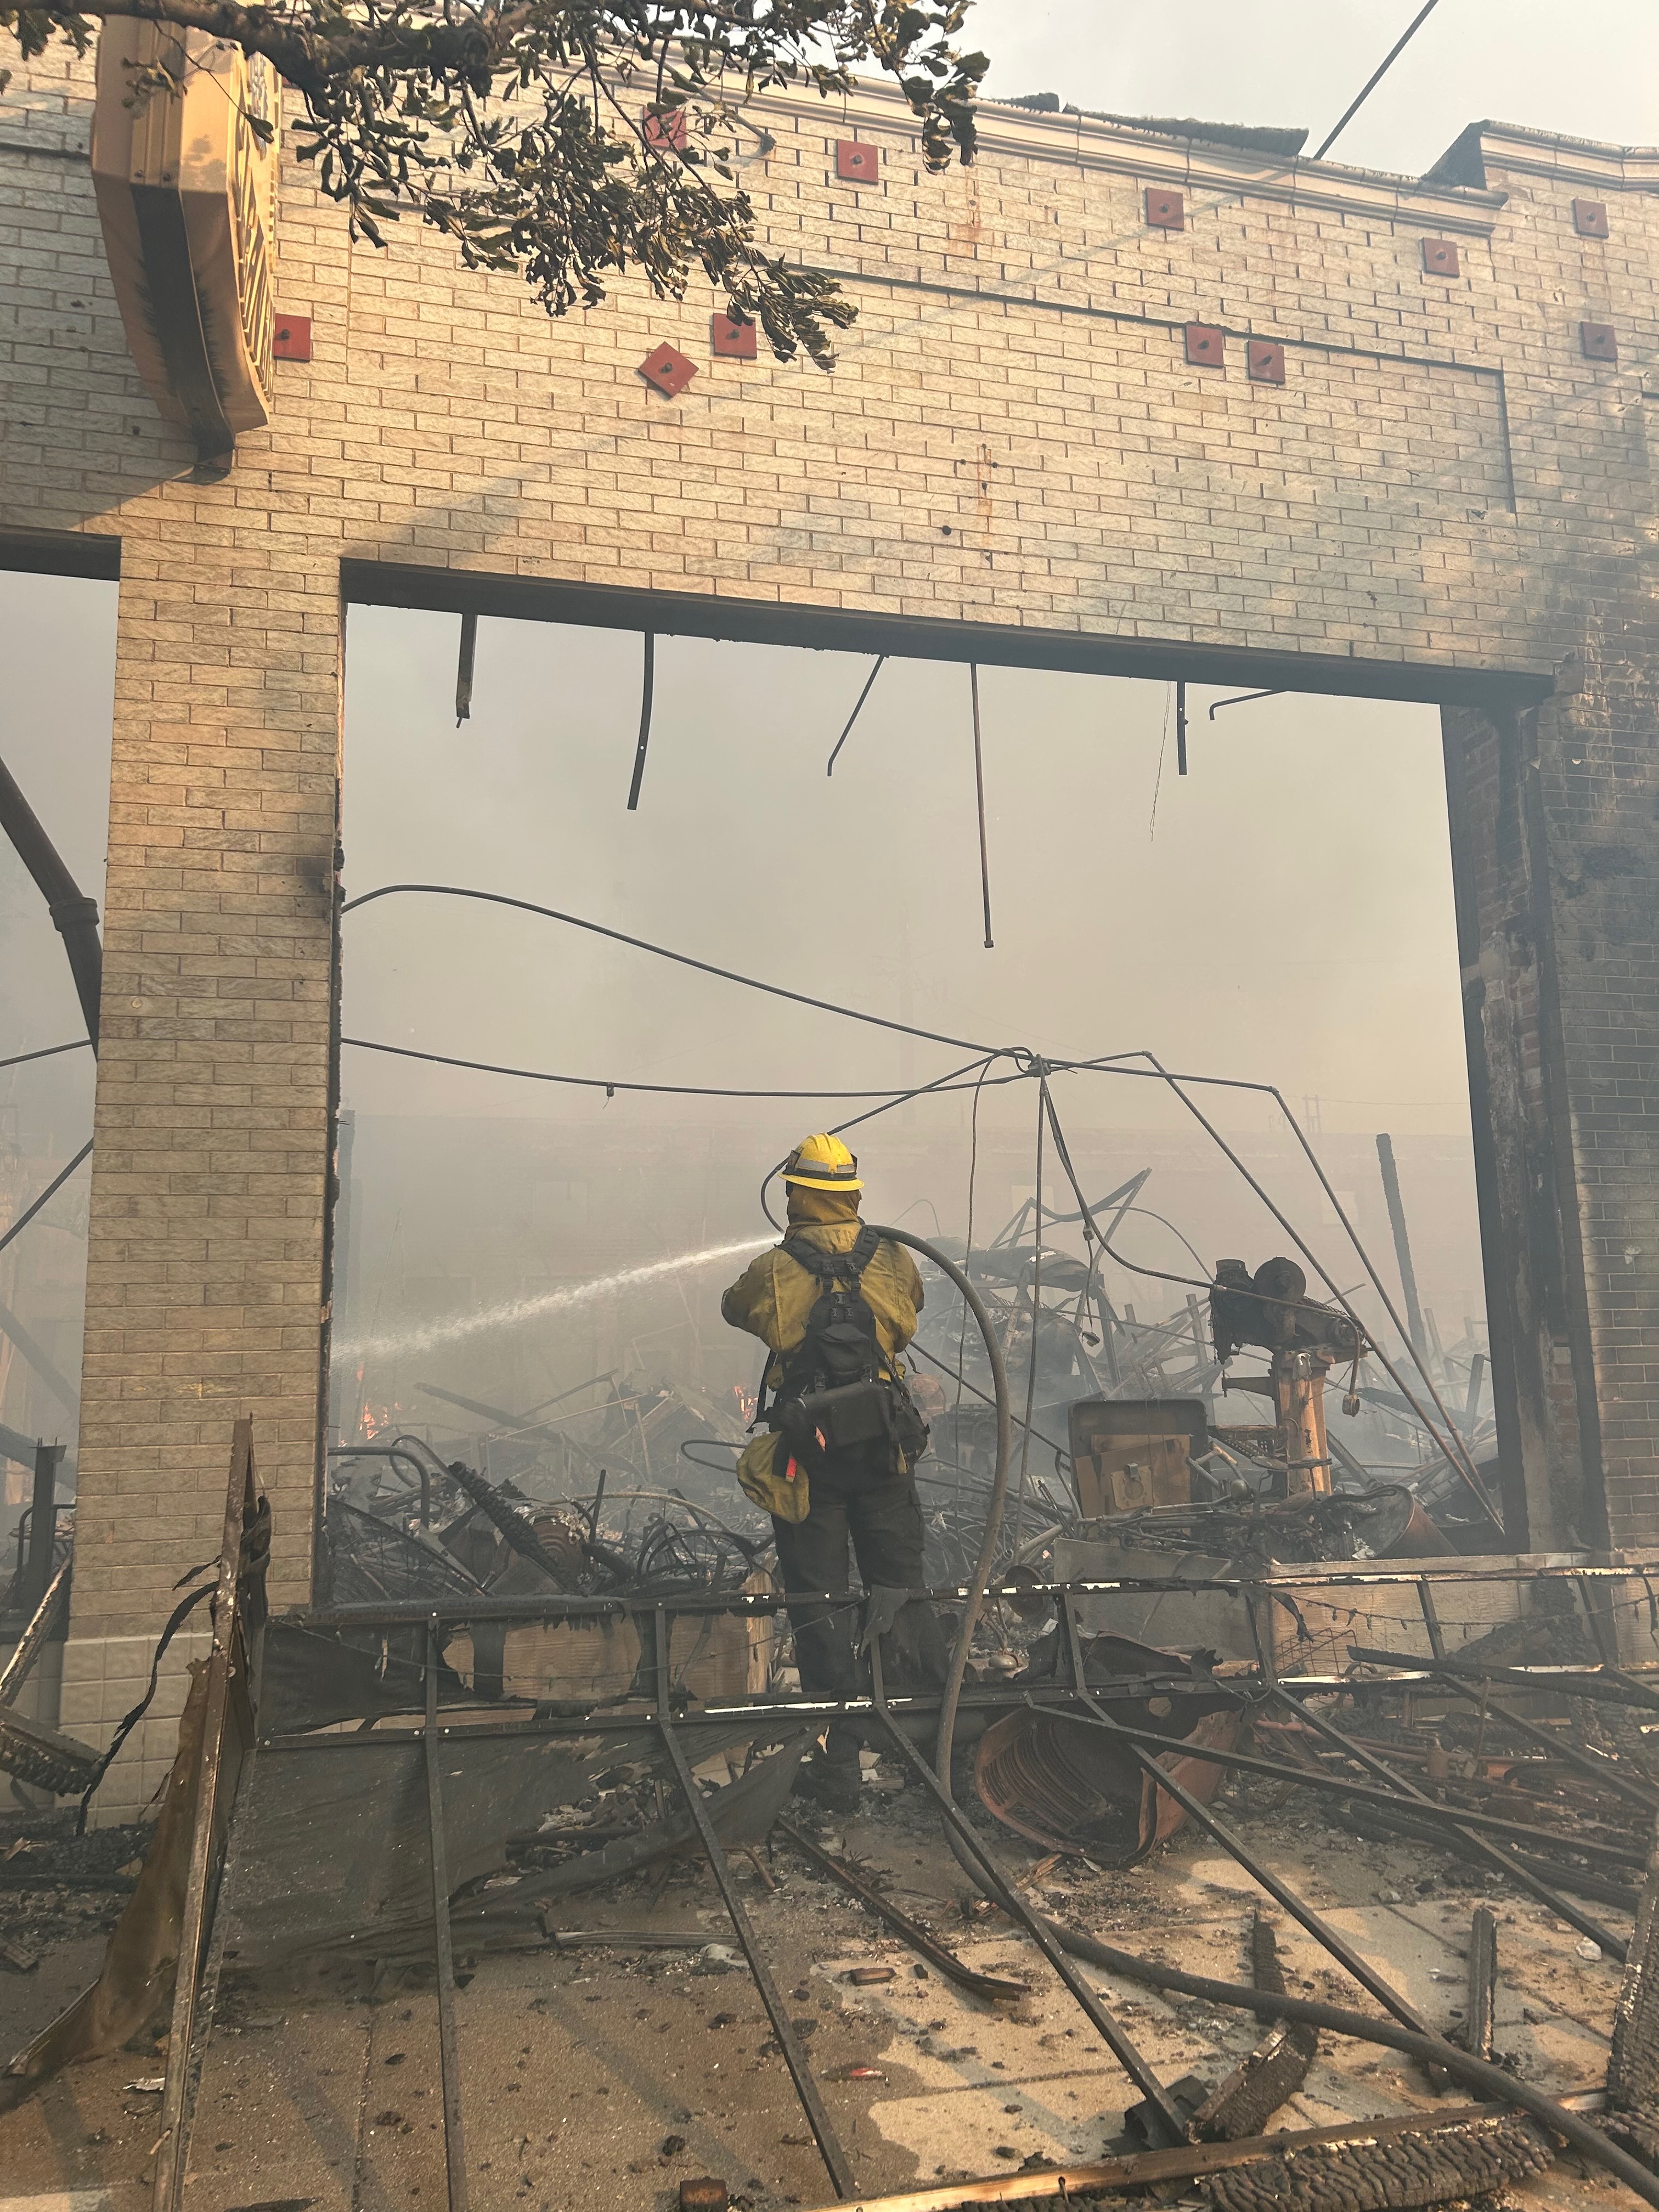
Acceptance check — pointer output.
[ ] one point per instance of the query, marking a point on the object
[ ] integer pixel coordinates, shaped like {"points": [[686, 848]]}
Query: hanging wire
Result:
{"points": [[663, 952], [951, 1082], [647, 686], [1241, 699], [1454, 1451], [609, 1084], [464, 668], [869, 681], [1158, 781]]}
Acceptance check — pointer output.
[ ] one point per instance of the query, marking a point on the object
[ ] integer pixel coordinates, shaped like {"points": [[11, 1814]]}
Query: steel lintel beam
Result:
{"points": [[989, 645]]}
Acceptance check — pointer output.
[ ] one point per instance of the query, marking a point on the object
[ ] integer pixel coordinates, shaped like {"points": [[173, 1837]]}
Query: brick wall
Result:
{"points": [[1442, 493]]}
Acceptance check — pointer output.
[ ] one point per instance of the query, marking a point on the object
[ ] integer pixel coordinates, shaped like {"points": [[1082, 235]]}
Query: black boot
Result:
{"points": [[834, 1783]]}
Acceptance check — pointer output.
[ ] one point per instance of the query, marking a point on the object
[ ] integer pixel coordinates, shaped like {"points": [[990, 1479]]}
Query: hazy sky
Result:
{"points": [[1591, 72]]}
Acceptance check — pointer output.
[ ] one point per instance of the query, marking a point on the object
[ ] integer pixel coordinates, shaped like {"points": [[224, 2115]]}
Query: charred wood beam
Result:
{"points": [[1146, 2169], [1481, 2075], [1480, 2000], [1241, 2104]]}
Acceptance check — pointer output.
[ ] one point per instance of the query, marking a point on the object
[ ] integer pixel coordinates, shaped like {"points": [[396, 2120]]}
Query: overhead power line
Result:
{"points": [[610, 1083], [664, 952], [1376, 77]]}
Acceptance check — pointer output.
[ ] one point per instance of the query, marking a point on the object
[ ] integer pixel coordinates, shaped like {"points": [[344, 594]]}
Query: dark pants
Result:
{"points": [[853, 1499]]}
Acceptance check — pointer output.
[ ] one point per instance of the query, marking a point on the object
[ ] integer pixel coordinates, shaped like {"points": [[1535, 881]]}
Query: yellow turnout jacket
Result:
{"points": [[772, 1298]]}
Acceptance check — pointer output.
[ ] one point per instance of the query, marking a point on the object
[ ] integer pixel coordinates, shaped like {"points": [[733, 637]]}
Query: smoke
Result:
{"points": [[520, 1311]]}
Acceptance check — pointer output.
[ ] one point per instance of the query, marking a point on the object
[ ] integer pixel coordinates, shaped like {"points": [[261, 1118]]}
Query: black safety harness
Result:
{"points": [[838, 1390]]}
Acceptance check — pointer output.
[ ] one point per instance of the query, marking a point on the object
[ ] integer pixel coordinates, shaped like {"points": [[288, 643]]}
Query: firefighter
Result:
{"points": [[835, 1305]]}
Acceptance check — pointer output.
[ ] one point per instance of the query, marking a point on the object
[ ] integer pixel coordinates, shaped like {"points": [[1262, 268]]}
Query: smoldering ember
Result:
{"points": [[737, 1472]]}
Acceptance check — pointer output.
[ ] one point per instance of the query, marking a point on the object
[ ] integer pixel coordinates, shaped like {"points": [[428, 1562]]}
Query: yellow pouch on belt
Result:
{"points": [[762, 1473]]}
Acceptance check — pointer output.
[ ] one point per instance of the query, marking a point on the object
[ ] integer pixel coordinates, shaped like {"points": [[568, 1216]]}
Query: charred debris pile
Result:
{"points": [[613, 1497], [1519, 1757], [520, 1703]]}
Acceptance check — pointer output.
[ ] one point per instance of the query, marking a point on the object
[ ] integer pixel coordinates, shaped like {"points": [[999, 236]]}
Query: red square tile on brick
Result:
{"points": [[1589, 218], [667, 132], [857, 163], [668, 369], [1165, 211], [291, 340], [1599, 340], [733, 339], [1264, 358], [1440, 258], [1204, 345]]}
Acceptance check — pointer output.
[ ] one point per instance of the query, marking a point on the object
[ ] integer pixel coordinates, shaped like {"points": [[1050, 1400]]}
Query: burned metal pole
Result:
{"points": [[1402, 1249], [449, 2063], [59, 1383], [869, 681], [46, 1196], [74, 916], [1160, 2109], [1481, 1846], [1320, 1929], [794, 2054]]}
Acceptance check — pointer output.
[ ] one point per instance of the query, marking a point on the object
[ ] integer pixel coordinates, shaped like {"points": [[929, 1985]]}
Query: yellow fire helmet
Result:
{"points": [[822, 1162]]}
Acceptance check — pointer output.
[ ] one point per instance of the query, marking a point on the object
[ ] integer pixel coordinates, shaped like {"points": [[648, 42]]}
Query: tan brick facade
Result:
{"points": [[1015, 459]]}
